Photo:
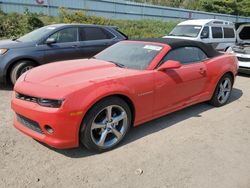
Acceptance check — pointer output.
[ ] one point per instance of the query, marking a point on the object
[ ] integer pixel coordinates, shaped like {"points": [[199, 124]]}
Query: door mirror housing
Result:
{"points": [[170, 64], [50, 41], [204, 35]]}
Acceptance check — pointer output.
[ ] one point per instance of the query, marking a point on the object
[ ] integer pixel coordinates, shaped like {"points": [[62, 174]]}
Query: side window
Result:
{"points": [[201, 54], [94, 33], [185, 55], [65, 35], [205, 33], [228, 32], [217, 32]]}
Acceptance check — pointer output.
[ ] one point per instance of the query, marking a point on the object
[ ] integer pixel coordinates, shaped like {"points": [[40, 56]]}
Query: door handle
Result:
{"points": [[75, 46], [202, 71]]}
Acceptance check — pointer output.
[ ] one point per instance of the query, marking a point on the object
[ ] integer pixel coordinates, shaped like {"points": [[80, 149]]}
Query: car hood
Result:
{"points": [[10, 44], [73, 73]]}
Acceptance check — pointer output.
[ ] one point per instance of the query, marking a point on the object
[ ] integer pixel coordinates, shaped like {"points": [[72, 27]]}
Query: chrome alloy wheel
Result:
{"points": [[224, 90], [26, 69], [109, 126]]}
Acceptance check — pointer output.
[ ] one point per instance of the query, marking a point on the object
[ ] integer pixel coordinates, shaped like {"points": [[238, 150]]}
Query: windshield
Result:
{"points": [[133, 55], [36, 34], [186, 31], [245, 33]]}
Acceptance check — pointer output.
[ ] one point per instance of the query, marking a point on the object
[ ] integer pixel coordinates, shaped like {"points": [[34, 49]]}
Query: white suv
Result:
{"points": [[219, 33]]}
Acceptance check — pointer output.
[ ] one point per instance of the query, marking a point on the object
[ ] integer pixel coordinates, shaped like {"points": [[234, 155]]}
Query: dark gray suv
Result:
{"points": [[54, 43]]}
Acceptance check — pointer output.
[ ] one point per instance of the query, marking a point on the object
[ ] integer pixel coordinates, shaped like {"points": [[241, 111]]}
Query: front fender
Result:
{"points": [[84, 99], [15, 55], [98, 91]]}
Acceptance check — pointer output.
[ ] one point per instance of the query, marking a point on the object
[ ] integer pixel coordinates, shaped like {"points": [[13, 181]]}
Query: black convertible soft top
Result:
{"points": [[178, 43]]}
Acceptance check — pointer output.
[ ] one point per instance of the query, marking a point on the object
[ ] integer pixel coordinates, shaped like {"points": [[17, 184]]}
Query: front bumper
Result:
{"points": [[2, 77], [65, 127], [244, 70], [244, 63], [3, 68]]}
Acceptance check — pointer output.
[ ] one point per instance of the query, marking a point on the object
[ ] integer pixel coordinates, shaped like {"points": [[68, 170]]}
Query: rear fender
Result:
{"points": [[227, 64]]}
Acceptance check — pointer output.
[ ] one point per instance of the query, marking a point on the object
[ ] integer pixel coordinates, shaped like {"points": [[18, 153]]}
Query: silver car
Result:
{"points": [[242, 48]]}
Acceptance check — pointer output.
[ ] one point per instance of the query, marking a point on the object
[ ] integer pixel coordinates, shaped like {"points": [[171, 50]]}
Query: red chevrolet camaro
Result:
{"points": [[95, 101]]}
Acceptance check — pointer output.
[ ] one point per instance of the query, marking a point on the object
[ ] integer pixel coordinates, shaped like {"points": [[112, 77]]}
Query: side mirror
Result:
{"points": [[170, 64], [204, 35], [50, 41]]}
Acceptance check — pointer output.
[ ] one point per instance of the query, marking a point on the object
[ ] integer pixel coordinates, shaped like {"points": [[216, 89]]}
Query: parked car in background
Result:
{"points": [[95, 101], [54, 43], [220, 34], [242, 47]]}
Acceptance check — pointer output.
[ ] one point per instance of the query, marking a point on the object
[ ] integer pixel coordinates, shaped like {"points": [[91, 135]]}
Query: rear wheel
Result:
{"points": [[19, 68], [106, 124], [223, 91]]}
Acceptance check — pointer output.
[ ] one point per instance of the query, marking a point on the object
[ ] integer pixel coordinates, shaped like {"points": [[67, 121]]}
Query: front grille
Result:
{"points": [[26, 97], [244, 67], [243, 59], [29, 123]]}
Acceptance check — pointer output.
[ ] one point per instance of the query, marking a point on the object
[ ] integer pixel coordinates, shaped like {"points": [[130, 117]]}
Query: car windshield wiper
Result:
{"points": [[117, 64], [14, 39], [184, 35]]}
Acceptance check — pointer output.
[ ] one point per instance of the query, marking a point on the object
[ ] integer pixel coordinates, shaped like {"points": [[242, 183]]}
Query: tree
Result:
{"points": [[224, 7], [191, 4], [32, 21], [234, 7], [243, 7]]}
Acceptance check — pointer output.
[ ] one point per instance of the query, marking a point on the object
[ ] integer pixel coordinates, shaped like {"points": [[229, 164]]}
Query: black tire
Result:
{"points": [[86, 131], [19, 68], [215, 100]]}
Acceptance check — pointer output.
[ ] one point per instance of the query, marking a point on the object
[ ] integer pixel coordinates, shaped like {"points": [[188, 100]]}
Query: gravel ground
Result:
{"points": [[199, 146]]}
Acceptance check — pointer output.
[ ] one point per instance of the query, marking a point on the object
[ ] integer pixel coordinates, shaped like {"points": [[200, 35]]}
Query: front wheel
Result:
{"points": [[20, 68], [223, 91], [106, 124]]}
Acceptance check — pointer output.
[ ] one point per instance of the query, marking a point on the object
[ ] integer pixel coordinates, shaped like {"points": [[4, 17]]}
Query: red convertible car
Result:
{"points": [[95, 101]]}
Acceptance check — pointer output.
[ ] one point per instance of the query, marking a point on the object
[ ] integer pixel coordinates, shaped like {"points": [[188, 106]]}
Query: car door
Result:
{"points": [[177, 87], [217, 38], [94, 39], [65, 47]]}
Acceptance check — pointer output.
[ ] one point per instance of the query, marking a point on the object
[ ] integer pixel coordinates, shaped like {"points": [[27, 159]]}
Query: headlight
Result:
{"points": [[3, 51], [50, 103]]}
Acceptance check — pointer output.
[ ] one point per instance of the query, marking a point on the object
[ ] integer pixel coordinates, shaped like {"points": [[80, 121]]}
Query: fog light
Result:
{"points": [[48, 129]]}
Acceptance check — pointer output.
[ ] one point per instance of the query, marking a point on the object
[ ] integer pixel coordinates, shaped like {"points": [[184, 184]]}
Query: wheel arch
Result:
{"points": [[124, 97], [231, 74], [130, 104], [227, 72], [14, 62]]}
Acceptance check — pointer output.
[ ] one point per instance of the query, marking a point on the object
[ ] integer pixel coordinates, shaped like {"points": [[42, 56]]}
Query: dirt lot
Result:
{"points": [[200, 146]]}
